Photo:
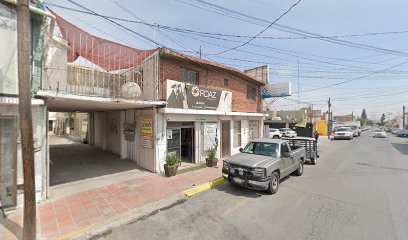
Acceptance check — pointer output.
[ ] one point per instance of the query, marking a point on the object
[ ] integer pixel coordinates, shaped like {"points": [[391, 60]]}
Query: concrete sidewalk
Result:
{"points": [[76, 214]]}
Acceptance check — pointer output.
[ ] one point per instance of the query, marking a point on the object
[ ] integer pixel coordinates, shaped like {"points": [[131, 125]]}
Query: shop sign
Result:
{"points": [[147, 142], [203, 98], [147, 127], [210, 136], [169, 133], [129, 130]]}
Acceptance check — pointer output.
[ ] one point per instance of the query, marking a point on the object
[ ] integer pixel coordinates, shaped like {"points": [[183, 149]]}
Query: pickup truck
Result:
{"points": [[263, 163]]}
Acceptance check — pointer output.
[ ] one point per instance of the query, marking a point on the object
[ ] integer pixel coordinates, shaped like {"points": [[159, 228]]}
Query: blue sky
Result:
{"points": [[368, 84]]}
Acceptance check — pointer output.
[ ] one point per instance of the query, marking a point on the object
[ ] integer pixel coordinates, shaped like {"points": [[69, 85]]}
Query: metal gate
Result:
{"points": [[8, 161]]}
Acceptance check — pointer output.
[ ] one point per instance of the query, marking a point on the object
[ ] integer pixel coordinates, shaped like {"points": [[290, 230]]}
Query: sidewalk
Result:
{"points": [[79, 212]]}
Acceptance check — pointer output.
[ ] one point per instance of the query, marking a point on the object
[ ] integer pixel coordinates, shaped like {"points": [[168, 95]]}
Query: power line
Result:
{"points": [[262, 22], [270, 25]]}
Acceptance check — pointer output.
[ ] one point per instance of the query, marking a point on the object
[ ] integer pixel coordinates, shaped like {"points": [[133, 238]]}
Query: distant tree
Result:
{"points": [[363, 118], [382, 120]]}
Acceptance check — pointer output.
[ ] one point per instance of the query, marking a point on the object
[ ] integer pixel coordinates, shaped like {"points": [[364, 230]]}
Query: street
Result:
{"points": [[356, 191]]}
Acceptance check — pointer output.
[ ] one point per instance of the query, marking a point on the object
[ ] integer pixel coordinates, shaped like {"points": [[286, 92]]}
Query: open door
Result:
{"points": [[8, 161]]}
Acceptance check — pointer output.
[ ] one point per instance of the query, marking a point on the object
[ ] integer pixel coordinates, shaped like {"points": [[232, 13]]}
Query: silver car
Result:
{"points": [[380, 133], [344, 133]]}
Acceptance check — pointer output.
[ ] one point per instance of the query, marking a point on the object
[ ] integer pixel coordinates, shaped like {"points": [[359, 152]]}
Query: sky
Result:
{"points": [[359, 59]]}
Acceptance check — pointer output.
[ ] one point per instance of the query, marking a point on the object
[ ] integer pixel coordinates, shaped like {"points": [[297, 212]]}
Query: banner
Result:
{"points": [[281, 89], [187, 96], [147, 127]]}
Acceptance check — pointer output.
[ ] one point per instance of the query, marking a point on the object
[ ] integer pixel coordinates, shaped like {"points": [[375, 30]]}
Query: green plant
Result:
{"points": [[211, 153], [172, 159]]}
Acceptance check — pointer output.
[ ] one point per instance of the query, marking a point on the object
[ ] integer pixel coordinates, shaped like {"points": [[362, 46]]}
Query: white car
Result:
{"points": [[380, 133], [287, 132], [274, 133], [344, 133]]}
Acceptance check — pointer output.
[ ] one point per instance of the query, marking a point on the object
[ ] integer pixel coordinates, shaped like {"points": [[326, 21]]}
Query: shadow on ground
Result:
{"points": [[239, 191], [73, 162], [401, 147]]}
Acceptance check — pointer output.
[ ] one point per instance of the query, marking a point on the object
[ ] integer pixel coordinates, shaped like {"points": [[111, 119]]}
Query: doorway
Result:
{"points": [[8, 161], [187, 146], [225, 138], [180, 140]]}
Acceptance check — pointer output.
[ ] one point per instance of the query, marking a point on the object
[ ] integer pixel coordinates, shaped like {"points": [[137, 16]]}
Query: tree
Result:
{"points": [[363, 118], [382, 120]]}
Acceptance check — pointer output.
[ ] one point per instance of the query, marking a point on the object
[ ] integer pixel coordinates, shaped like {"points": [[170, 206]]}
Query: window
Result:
{"points": [[251, 93], [284, 148], [237, 133], [188, 76], [225, 82]]}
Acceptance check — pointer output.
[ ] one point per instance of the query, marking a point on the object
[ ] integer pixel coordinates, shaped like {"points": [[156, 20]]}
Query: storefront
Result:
{"points": [[197, 119]]}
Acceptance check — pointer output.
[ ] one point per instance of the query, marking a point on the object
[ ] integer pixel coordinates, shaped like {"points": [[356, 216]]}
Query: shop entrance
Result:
{"points": [[225, 139], [180, 140]]}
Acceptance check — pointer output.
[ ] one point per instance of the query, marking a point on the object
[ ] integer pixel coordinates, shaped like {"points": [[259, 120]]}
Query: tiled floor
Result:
{"points": [[72, 213]]}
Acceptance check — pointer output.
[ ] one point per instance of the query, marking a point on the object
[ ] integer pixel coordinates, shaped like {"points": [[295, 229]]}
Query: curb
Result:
{"points": [[203, 187]]}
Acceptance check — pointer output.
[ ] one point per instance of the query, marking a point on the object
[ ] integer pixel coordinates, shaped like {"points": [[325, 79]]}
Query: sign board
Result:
{"points": [[202, 98], [147, 142], [147, 127], [129, 130], [210, 136], [281, 89], [259, 73], [187, 96]]}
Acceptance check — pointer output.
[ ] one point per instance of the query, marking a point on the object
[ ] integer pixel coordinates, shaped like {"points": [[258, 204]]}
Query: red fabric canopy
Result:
{"points": [[104, 53]]}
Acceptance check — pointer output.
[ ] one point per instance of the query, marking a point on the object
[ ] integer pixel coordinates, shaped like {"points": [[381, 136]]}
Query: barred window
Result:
{"points": [[251, 93], [188, 76]]}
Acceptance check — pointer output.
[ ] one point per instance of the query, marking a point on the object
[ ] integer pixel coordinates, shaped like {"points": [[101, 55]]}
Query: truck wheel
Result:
{"points": [[299, 170], [275, 137], [313, 161], [274, 183]]}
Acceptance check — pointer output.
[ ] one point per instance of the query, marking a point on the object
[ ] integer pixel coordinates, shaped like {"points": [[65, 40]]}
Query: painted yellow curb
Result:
{"points": [[203, 187]]}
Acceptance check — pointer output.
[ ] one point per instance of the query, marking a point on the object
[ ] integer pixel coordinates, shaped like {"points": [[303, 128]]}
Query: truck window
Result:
{"points": [[284, 148]]}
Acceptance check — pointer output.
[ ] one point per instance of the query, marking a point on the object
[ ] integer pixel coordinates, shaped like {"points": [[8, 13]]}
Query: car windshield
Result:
{"points": [[285, 129], [344, 130], [379, 131], [353, 127], [261, 148]]}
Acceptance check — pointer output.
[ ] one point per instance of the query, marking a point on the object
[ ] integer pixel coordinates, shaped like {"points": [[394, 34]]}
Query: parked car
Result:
{"points": [[356, 130], [274, 133], [395, 130], [287, 132], [343, 133], [402, 133], [380, 133], [263, 163]]}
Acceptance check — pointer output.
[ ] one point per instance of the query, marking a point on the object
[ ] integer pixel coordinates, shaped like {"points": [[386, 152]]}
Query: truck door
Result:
{"points": [[287, 158]]}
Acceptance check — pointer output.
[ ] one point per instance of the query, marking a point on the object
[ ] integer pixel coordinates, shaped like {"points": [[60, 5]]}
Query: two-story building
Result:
{"points": [[141, 104], [11, 173]]}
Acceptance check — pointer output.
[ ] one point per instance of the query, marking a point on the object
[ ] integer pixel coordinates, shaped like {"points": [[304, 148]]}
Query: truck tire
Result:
{"points": [[274, 183], [275, 137], [299, 170], [313, 160]]}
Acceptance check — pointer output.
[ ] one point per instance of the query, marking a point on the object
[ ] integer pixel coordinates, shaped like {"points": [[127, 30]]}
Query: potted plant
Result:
{"points": [[171, 166], [211, 157]]}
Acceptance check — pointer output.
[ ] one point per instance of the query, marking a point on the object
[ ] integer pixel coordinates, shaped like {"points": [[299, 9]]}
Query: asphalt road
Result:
{"points": [[358, 190]]}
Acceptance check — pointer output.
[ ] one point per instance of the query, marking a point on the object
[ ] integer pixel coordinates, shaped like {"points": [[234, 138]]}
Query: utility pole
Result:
{"points": [[200, 52], [330, 121], [403, 117], [26, 122]]}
